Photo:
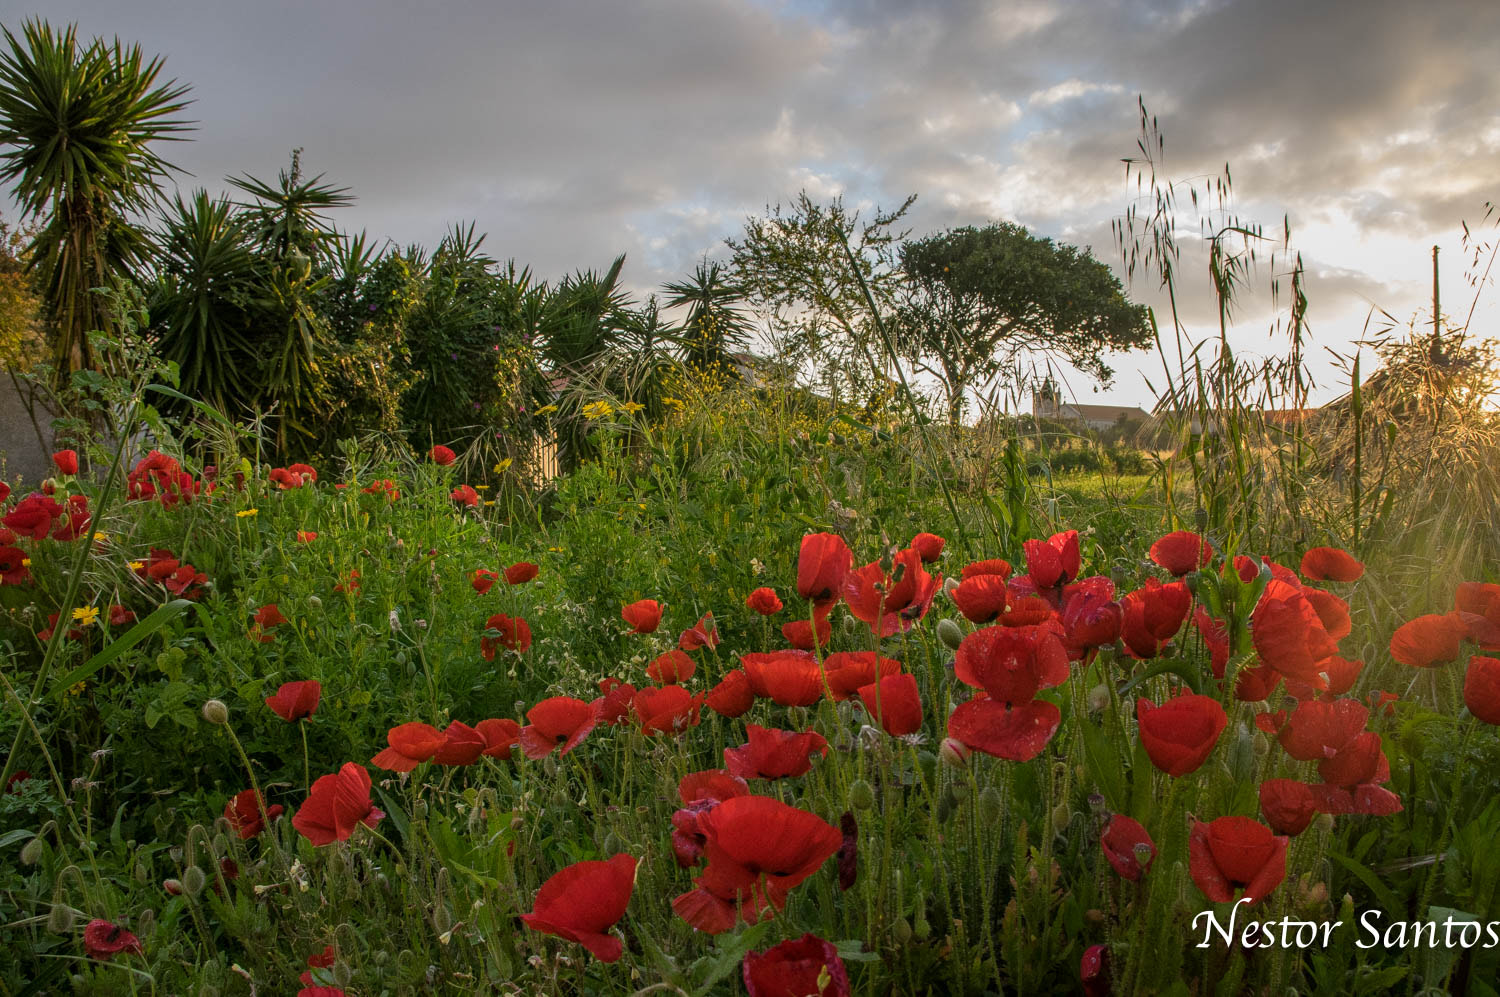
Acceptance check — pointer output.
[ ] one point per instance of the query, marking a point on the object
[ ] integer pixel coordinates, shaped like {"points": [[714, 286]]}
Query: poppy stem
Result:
{"points": [[306, 769]]}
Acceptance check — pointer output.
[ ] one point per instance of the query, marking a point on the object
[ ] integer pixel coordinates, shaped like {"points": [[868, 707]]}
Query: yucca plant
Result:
{"points": [[81, 122]]}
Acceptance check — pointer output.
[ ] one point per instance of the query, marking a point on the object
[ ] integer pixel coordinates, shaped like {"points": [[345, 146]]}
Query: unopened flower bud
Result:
{"points": [[953, 752], [1098, 698], [1061, 815], [901, 931], [949, 584], [32, 851], [60, 919], [313, 602], [991, 809], [215, 712], [193, 880], [950, 633], [862, 795]]}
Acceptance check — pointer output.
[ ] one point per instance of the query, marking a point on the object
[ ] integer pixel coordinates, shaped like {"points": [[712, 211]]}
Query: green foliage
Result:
{"points": [[81, 122], [974, 299]]}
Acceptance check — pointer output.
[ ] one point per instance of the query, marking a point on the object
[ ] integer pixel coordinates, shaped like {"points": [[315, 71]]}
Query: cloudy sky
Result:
{"points": [[571, 131]]}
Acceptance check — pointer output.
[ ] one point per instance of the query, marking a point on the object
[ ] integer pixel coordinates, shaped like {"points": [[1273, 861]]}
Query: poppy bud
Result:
{"points": [[949, 584], [140, 874], [991, 809], [60, 919], [902, 931], [861, 795], [1325, 822], [1098, 698], [342, 974], [922, 927], [193, 880], [313, 602], [953, 753], [848, 624], [950, 633], [31, 852], [1061, 816], [215, 712], [947, 803], [173, 887]]}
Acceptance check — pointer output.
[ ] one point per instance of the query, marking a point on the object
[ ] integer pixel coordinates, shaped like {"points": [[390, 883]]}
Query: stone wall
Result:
{"points": [[25, 456]]}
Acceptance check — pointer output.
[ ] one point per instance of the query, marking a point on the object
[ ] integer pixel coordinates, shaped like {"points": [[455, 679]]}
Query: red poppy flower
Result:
{"points": [[269, 616], [119, 616], [671, 668], [764, 601], [1054, 561], [1330, 564], [1429, 641], [513, 633], [104, 940], [1016, 732], [1331, 610], [1316, 731], [848, 671], [701, 634], [1180, 734], [1289, 635], [758, 850], [1288, 805], [520, 573], [1358, 762], [499, 737], [1128, 847], [732, 697], [1093, 972], [4, 491], [1090, 616], [244, 816], [295, 700], [613, 708], [322, 960], [822, 563], [1234, 853], [33, 516], [410, 745], [787, 678], [13, 784], [483, 579], [306, 536], [928, 545], [891, 603], [800, 633], [13, 567], [442, 456], [284, 479], [1365, 798], [992, 566], [383, 486], [898, 705], [804, 967], [75, 520], [465, 495], [711, 784], [462, 745], [774, 754], [336, 805], [1482, 688], [66, 461], [981, 598], [667, 710], [644, 616], [582, 902], [1181, 552], [559, 721], [1012, 663], [350, 584], [1152, 616]]}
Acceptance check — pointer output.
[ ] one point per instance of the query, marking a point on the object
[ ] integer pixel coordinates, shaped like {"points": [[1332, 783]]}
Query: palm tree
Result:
{"points": [[715, 330], [80, 122]]}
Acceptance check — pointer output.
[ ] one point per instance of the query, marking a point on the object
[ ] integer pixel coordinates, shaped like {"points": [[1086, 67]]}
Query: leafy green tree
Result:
{"points": [[976, 298], [80, 122], [795, 271], [714, 329]]}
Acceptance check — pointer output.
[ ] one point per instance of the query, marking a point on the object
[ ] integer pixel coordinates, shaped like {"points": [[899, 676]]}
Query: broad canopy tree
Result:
{"points": [[974, 299]]}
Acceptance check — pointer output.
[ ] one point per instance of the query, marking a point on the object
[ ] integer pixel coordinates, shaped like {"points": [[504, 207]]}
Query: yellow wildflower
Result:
{"points": [[86, 615], [102, 537], [597, 410], [546, 410], [136, 565], [632, 407], [25, 562], [246, 512], [504, 465]]}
